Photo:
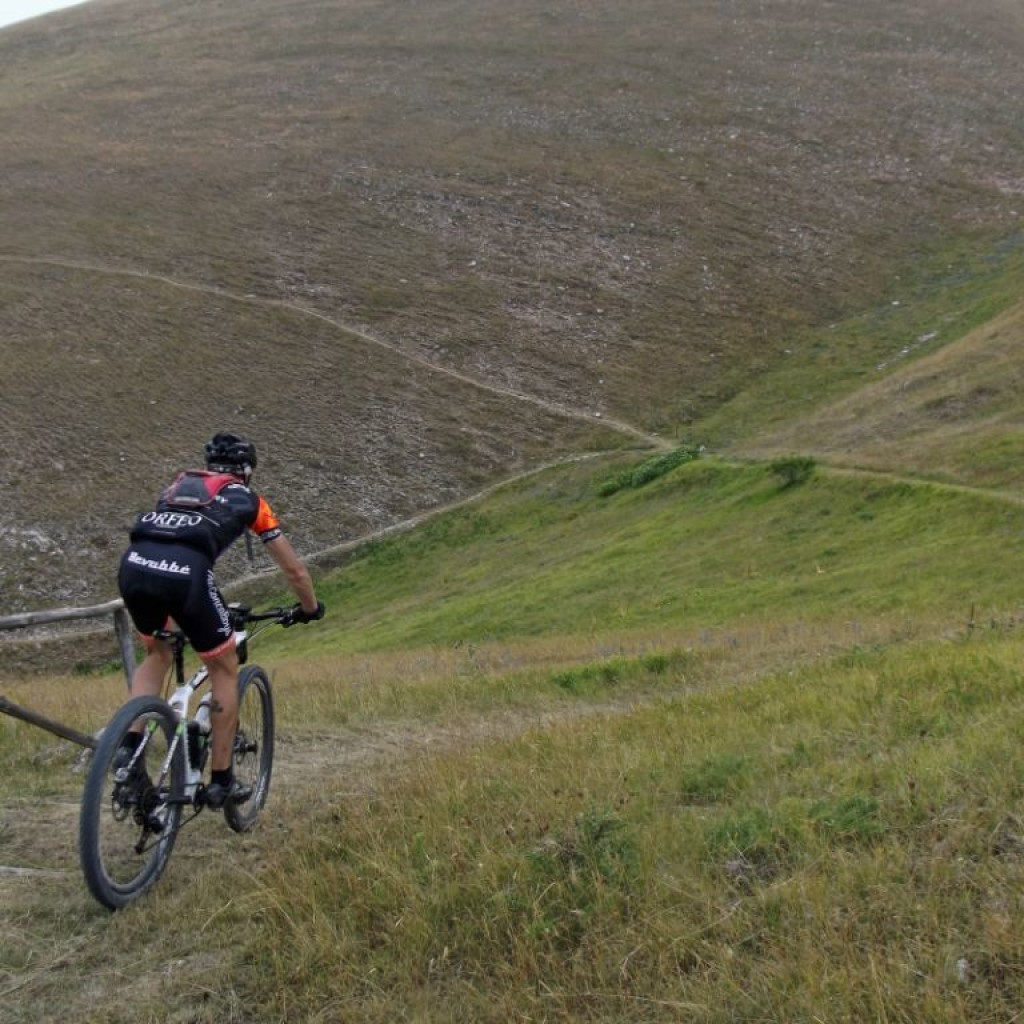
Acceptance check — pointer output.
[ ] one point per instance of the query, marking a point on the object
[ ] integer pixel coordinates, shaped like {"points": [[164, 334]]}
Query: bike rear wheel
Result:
{"points": [[130, 814], [253, 755]]}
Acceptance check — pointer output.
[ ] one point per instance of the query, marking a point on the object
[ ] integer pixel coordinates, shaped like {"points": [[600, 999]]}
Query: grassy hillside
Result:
{"points": [[954, 321], [636, 737], [954, 414], [707, 747], [712, 545], [636, 211]]}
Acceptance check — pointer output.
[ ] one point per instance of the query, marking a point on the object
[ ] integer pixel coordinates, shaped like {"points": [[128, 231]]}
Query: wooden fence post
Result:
{"points": [[125, 633]]}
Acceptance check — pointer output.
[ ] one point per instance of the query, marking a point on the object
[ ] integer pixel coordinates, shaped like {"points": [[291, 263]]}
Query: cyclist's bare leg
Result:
{"points": [[149, 677], [224, 684]]}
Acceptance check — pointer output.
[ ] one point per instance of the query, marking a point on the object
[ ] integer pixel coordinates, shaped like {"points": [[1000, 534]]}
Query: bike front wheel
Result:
{"points": [[253, 753], [131, 805]]}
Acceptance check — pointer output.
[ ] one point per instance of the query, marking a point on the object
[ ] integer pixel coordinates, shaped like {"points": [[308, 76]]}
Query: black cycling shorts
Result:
{"points": [[161, 581]]}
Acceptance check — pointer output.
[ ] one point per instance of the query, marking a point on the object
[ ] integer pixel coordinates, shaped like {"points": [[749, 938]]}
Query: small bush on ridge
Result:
{"points": [[647, 471]]}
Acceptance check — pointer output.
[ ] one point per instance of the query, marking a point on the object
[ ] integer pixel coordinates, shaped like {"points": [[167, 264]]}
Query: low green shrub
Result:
{"points": [[650, 469], [793, 469]]}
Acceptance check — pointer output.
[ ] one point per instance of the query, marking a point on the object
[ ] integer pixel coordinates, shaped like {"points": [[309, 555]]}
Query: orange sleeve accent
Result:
{"points": [[265, 521]]}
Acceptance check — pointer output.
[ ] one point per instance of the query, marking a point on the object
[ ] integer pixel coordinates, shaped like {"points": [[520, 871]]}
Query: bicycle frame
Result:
{"points": [[180, 701]]}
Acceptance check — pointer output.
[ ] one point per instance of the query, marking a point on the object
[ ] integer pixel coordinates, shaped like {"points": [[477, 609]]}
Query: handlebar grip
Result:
{"points": [[297, 614]]}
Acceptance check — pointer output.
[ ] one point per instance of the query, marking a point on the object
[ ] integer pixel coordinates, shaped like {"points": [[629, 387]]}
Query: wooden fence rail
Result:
{"points": [[122, 630]]}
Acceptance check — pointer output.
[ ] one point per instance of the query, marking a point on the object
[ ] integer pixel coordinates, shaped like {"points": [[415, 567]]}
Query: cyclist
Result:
{"points": [[167, 573]]}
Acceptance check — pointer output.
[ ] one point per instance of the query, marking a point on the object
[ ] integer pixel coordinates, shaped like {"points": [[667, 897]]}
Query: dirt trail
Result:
{"points": [[368, 339], [41, 885], [38, 838]]}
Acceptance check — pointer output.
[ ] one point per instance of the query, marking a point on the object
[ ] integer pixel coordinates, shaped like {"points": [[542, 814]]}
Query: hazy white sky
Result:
{"points": [[18, 10]]}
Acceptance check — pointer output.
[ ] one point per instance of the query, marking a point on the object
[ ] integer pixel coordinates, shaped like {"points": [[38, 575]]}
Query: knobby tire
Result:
{"points": [[127, 829], [253, 756]]}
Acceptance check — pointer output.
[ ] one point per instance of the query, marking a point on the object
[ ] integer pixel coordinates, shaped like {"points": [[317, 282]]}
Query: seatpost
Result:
{"points": [[179, 663]]}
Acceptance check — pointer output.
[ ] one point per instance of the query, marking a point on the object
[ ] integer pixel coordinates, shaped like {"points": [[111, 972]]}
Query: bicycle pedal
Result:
{"points": [[217, 796]]}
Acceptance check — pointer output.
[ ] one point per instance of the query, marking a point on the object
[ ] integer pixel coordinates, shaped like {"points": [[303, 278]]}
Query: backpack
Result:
{"points": [[195, 488]]}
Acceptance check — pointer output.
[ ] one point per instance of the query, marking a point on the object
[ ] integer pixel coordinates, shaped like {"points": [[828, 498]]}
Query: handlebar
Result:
{"points": [[242, 616]]}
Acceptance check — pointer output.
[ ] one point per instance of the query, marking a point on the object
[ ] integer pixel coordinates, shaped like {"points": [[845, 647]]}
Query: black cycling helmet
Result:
{"points": [[229, 453]]}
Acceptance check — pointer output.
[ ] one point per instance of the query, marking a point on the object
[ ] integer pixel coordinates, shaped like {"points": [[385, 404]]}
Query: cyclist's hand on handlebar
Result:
{"points": [[297, 614]]}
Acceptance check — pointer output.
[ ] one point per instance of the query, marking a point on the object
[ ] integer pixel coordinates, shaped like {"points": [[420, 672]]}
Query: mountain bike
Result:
{"points": [[135, 802]]}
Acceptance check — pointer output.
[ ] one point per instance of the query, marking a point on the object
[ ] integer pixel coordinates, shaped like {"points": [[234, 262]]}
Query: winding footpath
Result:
{"points": [[555, 408]]}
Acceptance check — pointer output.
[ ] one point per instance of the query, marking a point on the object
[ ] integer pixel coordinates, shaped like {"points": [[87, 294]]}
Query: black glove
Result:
{"points": [[298, 615]]}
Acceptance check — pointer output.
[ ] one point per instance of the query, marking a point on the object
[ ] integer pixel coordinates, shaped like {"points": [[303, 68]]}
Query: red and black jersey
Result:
{"points": [[208, 512]]}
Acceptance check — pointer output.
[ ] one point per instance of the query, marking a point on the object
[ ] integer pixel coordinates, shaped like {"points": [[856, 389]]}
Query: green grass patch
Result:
{"points": [[577, 860], [704, 545]]}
